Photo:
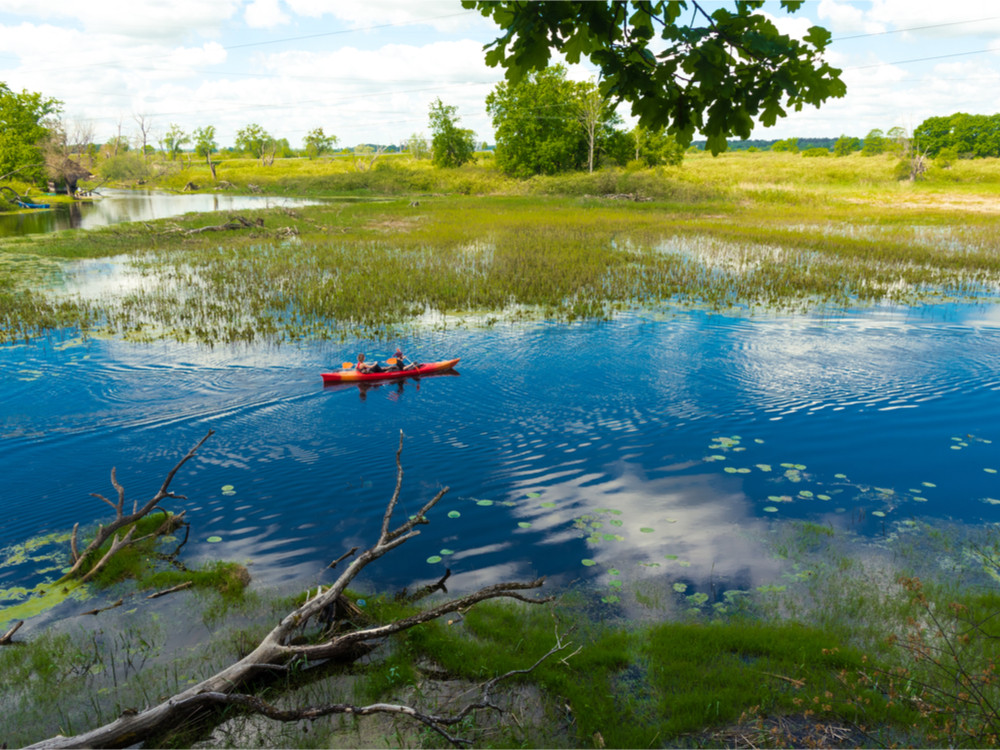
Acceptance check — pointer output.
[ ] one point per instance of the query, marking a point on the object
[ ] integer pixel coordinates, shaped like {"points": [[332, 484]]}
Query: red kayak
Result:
{"points": [[353, 376]]}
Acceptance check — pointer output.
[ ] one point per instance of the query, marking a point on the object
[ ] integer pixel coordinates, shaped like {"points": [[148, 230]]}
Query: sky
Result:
{"points": [[367, 71]]}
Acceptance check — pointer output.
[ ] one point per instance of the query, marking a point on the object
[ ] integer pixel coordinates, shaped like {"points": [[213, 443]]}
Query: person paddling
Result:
{"points": [[363, 366], [400, 364]]}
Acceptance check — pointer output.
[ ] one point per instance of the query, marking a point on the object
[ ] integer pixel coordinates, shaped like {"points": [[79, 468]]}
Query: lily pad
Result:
{"points": [[588, 562], [214, 539], [612, 599], [434, 559], [990, 471], [447, 552], [770, 509], [878, 513], [484, 503], [646, 530], [454, 514], [534, 494], [227, 488], [680, 587], [764, 467], [524, 524], [547, 505], [928, 484]]}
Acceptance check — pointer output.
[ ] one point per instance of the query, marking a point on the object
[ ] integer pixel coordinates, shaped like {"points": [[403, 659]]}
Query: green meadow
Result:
{"points": [[405, 245]]}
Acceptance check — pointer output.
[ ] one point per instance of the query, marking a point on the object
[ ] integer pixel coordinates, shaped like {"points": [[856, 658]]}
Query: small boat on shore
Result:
{"points": [[352, 375]]}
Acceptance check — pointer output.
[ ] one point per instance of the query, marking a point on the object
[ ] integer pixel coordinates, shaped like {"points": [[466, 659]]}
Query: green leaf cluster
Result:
{"points": [[451, 145], [716, 74], [537, 123], [967, 135], [22, 128]]}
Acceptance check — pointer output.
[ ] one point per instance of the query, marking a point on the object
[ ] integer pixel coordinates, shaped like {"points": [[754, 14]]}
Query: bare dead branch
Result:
{"points": [[7, 637], [343, 557], [178, 587], [72, 543], [277, 649], [106, 532], [116, 544], [103, 609], [426, 591]]}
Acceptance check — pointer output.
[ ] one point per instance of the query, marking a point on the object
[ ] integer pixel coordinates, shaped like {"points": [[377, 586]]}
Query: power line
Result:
{"points": [[921, 59], [914, 28]]}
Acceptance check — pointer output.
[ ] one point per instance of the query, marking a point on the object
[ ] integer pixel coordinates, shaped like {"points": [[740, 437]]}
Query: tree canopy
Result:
{"points": [[451, 145], [22, 129], [538, 126], [964, 134], [318, 143], [716, 74]]}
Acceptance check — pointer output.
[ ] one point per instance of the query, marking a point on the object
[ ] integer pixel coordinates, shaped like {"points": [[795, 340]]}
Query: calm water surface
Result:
{"points": [[654, 448], [116, 206]]}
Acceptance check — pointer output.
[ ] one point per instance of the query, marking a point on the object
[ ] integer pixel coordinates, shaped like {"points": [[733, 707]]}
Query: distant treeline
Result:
{"points": [[955, 136], [766, 145]]}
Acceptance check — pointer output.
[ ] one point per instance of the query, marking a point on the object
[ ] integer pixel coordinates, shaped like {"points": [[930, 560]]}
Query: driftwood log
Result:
{"points": [[281, 646]]}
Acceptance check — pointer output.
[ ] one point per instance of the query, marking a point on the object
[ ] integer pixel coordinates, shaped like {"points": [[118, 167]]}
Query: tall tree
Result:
{"points": [[318, 143], [145, 124], [205, 145], [22, 128], [451, 145], [716, 74], [174, 140], [535, 123], [590, 109], [256, 141], [416, 144]]}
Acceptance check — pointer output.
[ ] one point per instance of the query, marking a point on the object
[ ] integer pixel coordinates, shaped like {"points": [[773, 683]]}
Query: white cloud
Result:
{"points": [[946, 19], [145, 19], [443, 15], [846, 18], [265, 14]]}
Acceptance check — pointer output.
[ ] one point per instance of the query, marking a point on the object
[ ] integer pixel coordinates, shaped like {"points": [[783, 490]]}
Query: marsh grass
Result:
{"points": [[762, 232]]}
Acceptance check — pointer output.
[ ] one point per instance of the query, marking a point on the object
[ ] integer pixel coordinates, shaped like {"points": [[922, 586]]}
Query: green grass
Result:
{"points": [[756, 231]]}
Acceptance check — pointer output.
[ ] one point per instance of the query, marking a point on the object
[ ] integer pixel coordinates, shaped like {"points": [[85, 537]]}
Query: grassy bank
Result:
{"points": [[759, 231], [858, 652]]}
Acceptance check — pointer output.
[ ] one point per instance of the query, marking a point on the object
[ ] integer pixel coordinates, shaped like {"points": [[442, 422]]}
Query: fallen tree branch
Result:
{"points": [[236, 222], [178, 587], [121, 520], [7, 637], [282, 645]]}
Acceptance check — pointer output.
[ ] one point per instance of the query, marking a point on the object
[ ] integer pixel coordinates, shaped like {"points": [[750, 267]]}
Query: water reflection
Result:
{"points": [[671, 470], [118, 206], [394, 388]]}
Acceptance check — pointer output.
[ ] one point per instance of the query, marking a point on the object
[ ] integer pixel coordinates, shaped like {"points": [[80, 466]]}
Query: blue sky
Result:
{"points": [[367, 71]]}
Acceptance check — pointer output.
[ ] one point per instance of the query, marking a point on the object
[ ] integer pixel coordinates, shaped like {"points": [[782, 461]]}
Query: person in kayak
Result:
{"points": [[400, 364], [363, 366]]}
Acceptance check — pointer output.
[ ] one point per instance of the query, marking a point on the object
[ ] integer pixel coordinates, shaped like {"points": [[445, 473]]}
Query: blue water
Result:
{"points": [[550, 436]]}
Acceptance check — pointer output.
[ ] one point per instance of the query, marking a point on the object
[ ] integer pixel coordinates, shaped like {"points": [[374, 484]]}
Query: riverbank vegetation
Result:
{"points": [[765, 231], [849, 648]]}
